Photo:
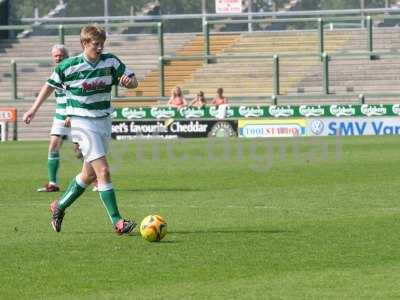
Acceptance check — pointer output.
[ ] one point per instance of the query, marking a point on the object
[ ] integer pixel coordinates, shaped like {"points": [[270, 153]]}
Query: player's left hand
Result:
{"points": [[28, 116], [67, 122], [126, 81]]}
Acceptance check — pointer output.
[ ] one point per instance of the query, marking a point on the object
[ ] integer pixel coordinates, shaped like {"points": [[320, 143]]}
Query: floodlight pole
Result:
{"points": [[203, 10], [362, 6], [249, 16], [106, 15], [36, 13]]}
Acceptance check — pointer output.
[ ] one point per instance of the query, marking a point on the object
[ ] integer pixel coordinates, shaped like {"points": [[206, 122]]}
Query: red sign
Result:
{"points": [[8, 115]]}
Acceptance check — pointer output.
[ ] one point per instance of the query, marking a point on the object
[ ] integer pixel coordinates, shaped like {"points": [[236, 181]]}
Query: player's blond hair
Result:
{"points": [[91, 33]]}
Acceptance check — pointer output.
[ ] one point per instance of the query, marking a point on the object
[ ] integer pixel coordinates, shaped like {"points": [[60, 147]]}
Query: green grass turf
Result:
{"points": [[303, 225]]}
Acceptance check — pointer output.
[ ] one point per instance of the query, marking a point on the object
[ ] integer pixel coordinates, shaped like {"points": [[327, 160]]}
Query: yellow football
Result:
{"points": [[153, 228]]}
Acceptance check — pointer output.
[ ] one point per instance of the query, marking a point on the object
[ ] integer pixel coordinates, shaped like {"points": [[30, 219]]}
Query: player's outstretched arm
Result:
{"points": [[45, 92], [129, 82]]}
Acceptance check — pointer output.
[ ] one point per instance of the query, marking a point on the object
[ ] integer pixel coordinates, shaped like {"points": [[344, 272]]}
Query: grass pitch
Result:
{"points": [[248, 219]]}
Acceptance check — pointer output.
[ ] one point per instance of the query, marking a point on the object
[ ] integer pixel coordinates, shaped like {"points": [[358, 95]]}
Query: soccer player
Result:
{"points": [[59, 129], [87, 80]]}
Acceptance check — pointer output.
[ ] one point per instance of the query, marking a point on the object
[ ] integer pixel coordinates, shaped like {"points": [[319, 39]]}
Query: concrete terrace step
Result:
{"points": [[178, 71], [257, 45]]}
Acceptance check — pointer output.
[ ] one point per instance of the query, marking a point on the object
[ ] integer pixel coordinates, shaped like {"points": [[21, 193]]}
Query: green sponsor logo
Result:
{"points": [[133, 113], [311, 111], [281, 111], [373, 110], [215, 111], [342, 110], [277, 111], [396, 109], [162, 112], [251, 112], [191, 112]]}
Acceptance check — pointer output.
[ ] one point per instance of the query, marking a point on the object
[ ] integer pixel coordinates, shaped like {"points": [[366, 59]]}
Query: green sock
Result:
{"points": [[72, 193], [110, 203], [53, 162]]}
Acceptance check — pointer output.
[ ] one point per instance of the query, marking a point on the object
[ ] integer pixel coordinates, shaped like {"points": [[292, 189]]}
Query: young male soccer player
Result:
{"points": [[59, 129], [87, 80]]}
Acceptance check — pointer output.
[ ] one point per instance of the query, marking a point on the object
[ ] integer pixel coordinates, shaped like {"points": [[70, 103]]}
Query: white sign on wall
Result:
{"points": [[353, 126], [228, 6]]}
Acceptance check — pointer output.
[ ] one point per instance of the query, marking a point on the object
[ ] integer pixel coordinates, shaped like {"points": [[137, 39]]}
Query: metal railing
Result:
{"points": [[318, 21], [276, 95], [62, 27], [61, 38], [320, 52], [208, 16]]}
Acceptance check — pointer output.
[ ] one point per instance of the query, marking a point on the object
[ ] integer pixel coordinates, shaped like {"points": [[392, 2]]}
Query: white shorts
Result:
{"points": [[58, 128], [92, 135]]}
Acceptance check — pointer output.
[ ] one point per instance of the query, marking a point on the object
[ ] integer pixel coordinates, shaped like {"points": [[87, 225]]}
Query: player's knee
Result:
{"points": [[54, 147], [103, 172], [55, 143], [88, 178], [92, 177]]}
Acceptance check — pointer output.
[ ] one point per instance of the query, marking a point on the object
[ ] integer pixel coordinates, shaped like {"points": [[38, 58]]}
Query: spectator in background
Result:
{"points": [[219, 98], [199, 101], [221, 102], [177, 100]]}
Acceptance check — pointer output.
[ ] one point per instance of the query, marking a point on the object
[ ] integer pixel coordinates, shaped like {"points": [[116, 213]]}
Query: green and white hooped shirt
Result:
{"points": [[61, 104], [87, 85]]}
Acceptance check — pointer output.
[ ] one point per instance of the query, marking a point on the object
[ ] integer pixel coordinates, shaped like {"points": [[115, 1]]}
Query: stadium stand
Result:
{"points": [[240, 77], [140, 52], [270, 6], [57, 11], [177, 72], [253, 76], [359, 74]]}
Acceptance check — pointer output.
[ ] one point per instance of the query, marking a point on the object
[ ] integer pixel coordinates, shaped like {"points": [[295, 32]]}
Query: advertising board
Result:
{"points": [[175, 129], [251, 112], [353, 126], [271, 128]]}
